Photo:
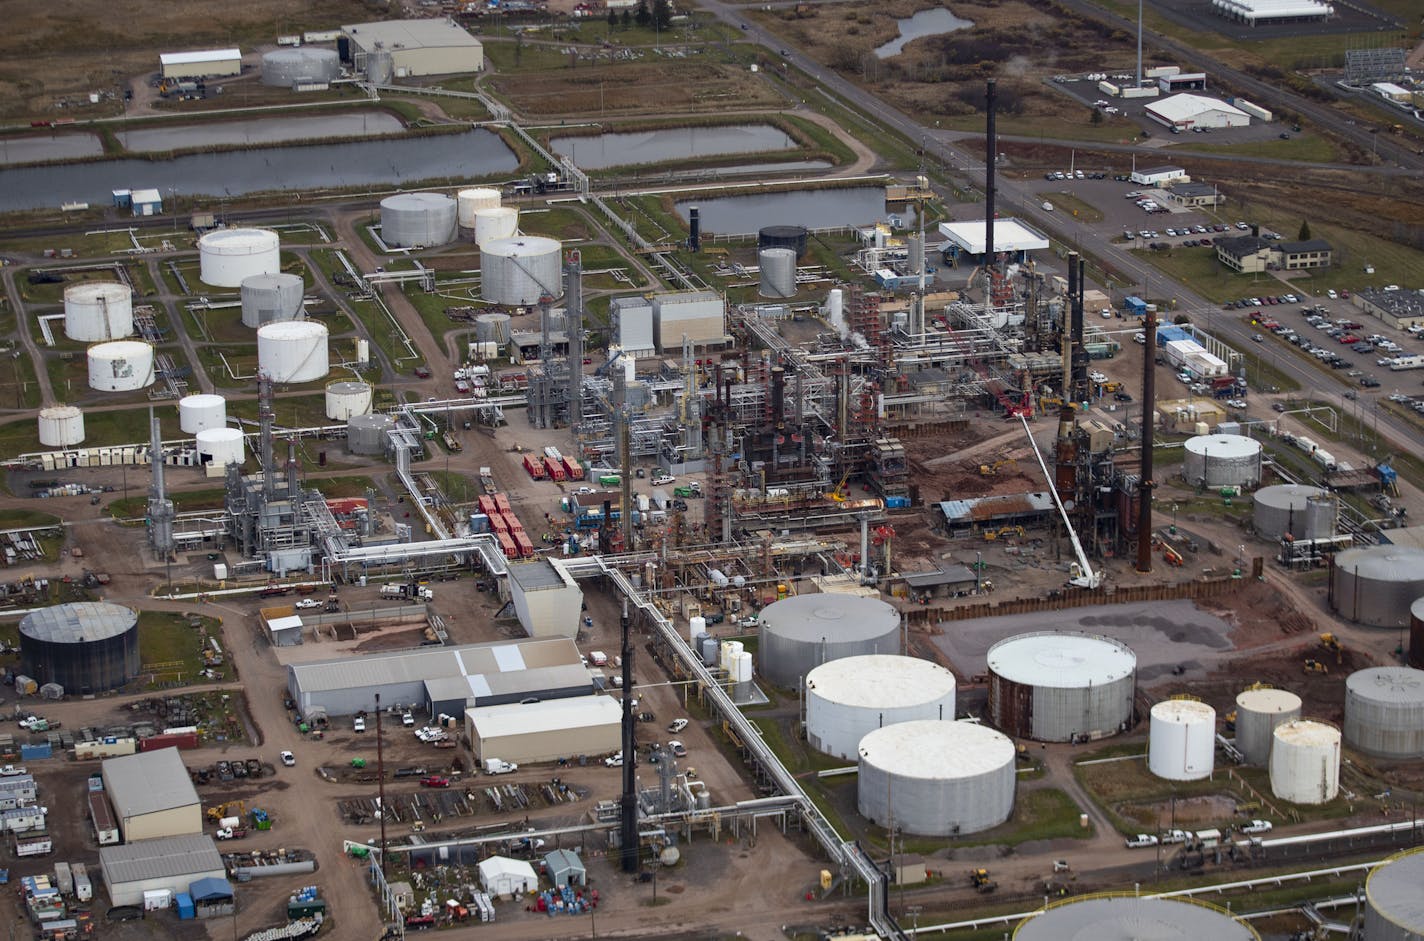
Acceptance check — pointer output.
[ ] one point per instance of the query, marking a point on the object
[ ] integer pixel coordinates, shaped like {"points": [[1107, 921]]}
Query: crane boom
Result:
{"points": [[1086, 577]]}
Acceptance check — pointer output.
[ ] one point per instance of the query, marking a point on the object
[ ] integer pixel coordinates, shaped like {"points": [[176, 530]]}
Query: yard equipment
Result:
{"points": [[992, 470], [1315, 666], [979, 879], [1331, 642], [226, 809], [358, 762], [260, 820]]}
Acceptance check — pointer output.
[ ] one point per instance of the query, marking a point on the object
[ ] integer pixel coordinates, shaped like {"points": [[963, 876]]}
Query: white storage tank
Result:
{"points": [[800, 633], [1303, 512], [1181, 745], [1305, 762], [1222, 461], [1384, 711], [495, 222], [293, 350], [469, 201], [346, 399], [61, 426], [848, 698], [1060, 686], [121, 366], [695, 626], [1393, 911], [269, 298], [283, 68], [411, 219], [1376, 585], [518, 271], [1258, 712], [1107, 917], [740, 673], [778, 272], [201, 411], [220, 446], [95, 311], [227, 257], [936, 778]]}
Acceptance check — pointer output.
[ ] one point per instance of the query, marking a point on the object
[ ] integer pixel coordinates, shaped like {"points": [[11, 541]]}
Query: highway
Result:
{"points": [[1069, 231]]}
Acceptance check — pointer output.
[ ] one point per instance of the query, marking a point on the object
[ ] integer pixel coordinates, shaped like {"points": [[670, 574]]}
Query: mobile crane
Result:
{"points": [[1081, 574]]}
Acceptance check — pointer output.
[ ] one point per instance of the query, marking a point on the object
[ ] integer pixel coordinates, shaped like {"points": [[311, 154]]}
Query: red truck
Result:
{"points": [[572, 469], [535, 466], [434, 780], [555, 469]]}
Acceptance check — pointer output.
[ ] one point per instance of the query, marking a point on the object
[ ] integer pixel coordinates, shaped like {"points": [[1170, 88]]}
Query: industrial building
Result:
{"points": [[84, 646], [1059, 686], [1160, 176], [1185, 112], [168, 865], [546, 730], [203, 63], [1400, 309], [632, 321], [546, 598], [696, 317], [1272, 12], [442, 679], [966, 241], [152, 795], [799, 634], [411, 49], [1251, 253], [1196, 195]]}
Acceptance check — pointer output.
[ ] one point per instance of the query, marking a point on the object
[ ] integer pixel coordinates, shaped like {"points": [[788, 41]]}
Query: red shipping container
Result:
{"points": [[497, 524], [506, 545], [171, 740], [487, 505], [501, 502], [573, 469], [513, 523], [555, 468], [526, 545], [534, 466]]}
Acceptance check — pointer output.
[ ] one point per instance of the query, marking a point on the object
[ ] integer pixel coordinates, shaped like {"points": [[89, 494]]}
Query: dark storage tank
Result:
{"points": [[783, 236], [86, 647]]}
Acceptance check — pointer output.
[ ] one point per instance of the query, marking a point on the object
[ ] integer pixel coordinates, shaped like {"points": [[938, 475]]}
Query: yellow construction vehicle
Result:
{"points": [[979, 879], [839, 493], [992, 470], [229, 809], [992, 534], [1315, 666], [1331, 642]]}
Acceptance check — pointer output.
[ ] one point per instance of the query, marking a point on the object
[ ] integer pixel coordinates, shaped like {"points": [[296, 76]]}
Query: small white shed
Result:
{"points": [[500, 875]]}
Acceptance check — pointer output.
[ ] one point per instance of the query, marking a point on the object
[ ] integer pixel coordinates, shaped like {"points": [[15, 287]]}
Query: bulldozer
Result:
{"points": [[228, 809], [1315, 666], [979, 879], [1331, 642]]}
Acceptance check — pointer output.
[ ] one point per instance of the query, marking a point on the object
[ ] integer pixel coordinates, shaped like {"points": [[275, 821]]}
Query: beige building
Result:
{"points": [[547, 730], [416, 47], [152, 795], [205, 63]]}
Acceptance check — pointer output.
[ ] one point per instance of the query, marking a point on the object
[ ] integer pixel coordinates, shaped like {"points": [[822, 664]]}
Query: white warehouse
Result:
{"points": [[547, 730], [1184, 112], [699, 316], [204, 63], [168, 865], [416, 47]]}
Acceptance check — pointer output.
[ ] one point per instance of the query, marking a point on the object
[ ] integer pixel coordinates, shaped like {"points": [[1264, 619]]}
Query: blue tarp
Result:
{"points": [[211, 889]]}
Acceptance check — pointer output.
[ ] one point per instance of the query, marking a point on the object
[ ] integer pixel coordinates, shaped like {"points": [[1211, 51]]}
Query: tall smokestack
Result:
{"points": [[778, 396], [1149, 403], [991, 148], [694, 230]]}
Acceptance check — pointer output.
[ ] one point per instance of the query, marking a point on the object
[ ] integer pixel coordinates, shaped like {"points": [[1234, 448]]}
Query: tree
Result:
{"points": [[626, 19], [612, 18], [1097, 117], [1304, 235], [662, 14], [641, 16]]}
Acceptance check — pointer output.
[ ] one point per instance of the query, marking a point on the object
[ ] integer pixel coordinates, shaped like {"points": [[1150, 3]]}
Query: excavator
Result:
{"points": [[1331, 642], [992, 470], [228, 809], [992, 534], [1315, 666], [1080, 573], [838, 495]]}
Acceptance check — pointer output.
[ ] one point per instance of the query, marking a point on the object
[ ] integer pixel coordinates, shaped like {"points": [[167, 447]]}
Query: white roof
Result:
{"points": [[1183, 712], [202, 55], [1391, 89], [498, 869], [880, 680], [148, 782], [291, 622], [1224, 447], [410, 34], [1061, 660], [147, 196], [1272, 8], [1010, 235], [934, 749], [549, 715], [1177, 108]]}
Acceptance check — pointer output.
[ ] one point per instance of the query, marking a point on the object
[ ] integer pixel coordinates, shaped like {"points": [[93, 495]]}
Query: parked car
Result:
{"points": [[289, 760], [307, 604], [1141, 840], [663, 479], [677, 725], [358, 724], [615, 760], [677, 749]]}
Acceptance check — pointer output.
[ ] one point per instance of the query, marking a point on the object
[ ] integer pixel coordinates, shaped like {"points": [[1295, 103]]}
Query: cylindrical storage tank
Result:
{"points": [[1392, 909], [695, 626], [800, 633], [741, 675], [61, 426], [1305, 762], [1222, 461], [1282, 509], [493, 328], [293, 350], [121, 366], [495, 222], [380, 66], [283, 68], [1384, 711], [1057, 686], [269, 298], [345, 399], [366, 434], [201, 411], [936, 778], [519, 271], [410, 219], [1133, 918], [778, 272], [84, 646], [784, 236], [1258, 712], [1181, 745], [95, 311], [1416, 633], [220, 446], [847, 699], [835, 310], [468, 201], [1376, 585], [227, 257]]}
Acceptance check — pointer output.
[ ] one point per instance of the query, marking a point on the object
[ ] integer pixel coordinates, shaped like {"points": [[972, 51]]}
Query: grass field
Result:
{"points": [[15, 519], [170, 646], [642, 86], [1311, 148]]}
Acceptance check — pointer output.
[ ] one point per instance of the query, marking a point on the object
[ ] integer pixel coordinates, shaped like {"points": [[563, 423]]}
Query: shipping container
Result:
{"points": [[525, 544], [507, 546], [573, 470], [63, 878], [83, 888], [182, 740], [498, 524], [33, 844], [534, 466], [501, 502], [107, 747], [555, 469], [487, 505], [479, 523], [512, 522], [101, 815]]}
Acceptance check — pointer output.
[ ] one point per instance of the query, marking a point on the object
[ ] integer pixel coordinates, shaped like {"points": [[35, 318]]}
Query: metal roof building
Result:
{"points": [[1189, 111], [546, 598], [152, 795], [1010, 235], [545, 730], [1009, 508], [170, 864], [416, 47], [203, 63], [445, 679]]}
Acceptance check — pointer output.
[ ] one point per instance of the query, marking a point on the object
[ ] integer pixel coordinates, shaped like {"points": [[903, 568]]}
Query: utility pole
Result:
{"points": [[628, 816], [381, 781]]}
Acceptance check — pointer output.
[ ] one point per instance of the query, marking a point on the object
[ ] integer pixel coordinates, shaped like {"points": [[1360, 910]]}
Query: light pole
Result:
{"points": [[1174, 519]]}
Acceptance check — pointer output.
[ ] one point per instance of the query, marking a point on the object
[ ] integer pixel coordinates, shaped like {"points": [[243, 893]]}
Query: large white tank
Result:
{"points": [[121, 366], [495, 222], [848, 698], [936, 778], [201, 411], [519, 271], [220, 446], [835, 310], [778, 272], [1393, 911], [307, 65], [410, 219], [1384, 711], [61, 426], [227, 257], [800, 633], [1181, 745], [95, 311], [740, 673], [1222, 461], [1059, 686], [1133, 917], [346, 399], [293, 350], [695, 625], [1258, 712], [1305, 762], [268, 298], [468, 201]]}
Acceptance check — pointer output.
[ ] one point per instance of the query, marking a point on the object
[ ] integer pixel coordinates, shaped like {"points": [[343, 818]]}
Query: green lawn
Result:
{"points": [[171, 646], [1310, 148], [15, 519], [1071, 205], [1199, 270]]}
